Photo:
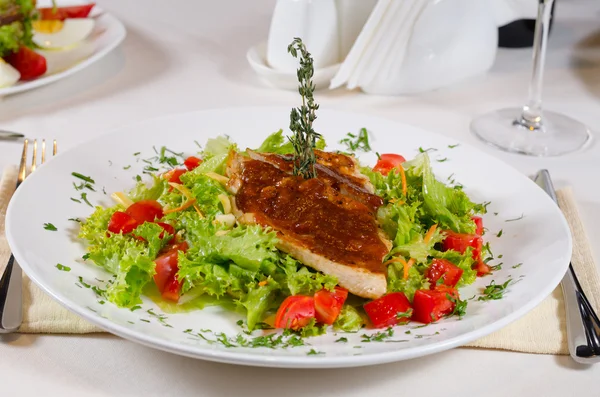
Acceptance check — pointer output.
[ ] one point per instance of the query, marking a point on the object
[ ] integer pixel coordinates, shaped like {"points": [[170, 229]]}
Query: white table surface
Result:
{"points": [[188, 55]]}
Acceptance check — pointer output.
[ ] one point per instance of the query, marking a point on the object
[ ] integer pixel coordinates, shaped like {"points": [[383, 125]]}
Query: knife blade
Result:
{"points": [[10, 135], [582, 322]]}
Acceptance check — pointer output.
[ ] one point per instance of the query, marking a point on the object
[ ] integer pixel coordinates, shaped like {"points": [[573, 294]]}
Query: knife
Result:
{"points": [[583, 325], [10, 136]]}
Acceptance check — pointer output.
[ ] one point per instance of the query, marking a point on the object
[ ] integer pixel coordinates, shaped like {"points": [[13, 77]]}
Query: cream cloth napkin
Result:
{"points": [[543, 330]]}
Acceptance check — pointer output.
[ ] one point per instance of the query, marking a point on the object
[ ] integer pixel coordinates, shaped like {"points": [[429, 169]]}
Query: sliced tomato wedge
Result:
{"points": [[328, 304], [174, 175], [192, 162], [120, 222], [390, 309], [460, 242], [387, 162], [295, 312], [28, 62], [145, 211], [478, 225], [166, 269], [431, 305], [168, 228], [445, 270], [62, 13]]}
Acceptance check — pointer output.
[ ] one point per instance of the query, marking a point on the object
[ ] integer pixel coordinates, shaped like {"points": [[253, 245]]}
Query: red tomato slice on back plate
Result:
{"points": [[328, 304], [295, 312], [383, 312], [387, 162], [62, 13], [28, 62], [443, 269], [145, 211]]}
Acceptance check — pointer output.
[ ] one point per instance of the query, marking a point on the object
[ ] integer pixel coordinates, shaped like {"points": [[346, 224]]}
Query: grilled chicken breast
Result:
{"points": [[327, 223]]}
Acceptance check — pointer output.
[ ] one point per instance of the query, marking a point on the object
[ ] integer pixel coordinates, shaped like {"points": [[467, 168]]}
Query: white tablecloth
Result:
{"points": [[188, 55]]}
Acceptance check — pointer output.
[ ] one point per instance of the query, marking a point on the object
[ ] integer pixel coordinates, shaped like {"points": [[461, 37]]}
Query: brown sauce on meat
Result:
{"points": [[311, 211], [338, 171]]}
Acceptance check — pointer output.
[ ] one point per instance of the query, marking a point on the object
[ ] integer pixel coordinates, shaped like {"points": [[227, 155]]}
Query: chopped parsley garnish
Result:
{"points": [[136, 307], [63, 268], [357, 142], [144, 320], [515, 219], [313, 352], [453, 146], [127, 167], [49, 226], [75, 220], [84, 198], [378, 336], [426, 336], [406, 314], [497, 267], [517, 265], [499, 233], [442, 160], [270, 341], [421, 150], [85, 256], [86, 285], [74, 199], [343, 339], [136, 154], [138, 178], [460, 306], [83, 177], [160, 317], [494, 291], [407, 332], [500, 256]]}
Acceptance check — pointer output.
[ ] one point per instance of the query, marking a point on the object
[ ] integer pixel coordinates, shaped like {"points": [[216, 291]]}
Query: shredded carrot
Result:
{"points": [[262, 283], [188, 203], [198, 211], [396, 259], [430, 233], [407, 267], [403, 176]]}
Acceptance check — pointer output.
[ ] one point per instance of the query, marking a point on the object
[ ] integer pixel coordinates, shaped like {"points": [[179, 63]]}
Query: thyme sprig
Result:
{"points": [[301, 119]]}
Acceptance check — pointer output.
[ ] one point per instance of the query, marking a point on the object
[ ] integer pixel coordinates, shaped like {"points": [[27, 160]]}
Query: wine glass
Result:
{"points": [[530, 130]]}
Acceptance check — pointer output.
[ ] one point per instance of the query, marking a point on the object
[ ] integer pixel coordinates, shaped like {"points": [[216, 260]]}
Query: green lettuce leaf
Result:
{"points": [[299, 280], [206, 192], [396, 283], [258, 300], [280, 144], [349, 320], [143, 191]]}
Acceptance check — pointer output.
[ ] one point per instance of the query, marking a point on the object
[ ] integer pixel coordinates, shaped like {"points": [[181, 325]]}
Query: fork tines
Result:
{"points": [[33, 167]]}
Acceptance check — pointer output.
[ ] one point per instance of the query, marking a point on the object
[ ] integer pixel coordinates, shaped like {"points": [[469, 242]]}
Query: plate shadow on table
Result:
{"points": [[121, 70]]}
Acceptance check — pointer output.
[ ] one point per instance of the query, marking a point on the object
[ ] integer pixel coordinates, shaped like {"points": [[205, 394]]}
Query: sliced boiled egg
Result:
{"points": [[8, 74], [53, 34]]}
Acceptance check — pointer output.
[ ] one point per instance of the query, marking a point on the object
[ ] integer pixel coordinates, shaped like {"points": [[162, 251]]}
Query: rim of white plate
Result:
{"points": [[290, 361]]}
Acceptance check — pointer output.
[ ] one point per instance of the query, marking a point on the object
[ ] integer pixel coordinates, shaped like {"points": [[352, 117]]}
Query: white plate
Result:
{"points": [[108, 33], [540, 240]]}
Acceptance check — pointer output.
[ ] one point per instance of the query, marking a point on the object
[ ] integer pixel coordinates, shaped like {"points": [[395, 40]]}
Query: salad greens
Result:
{"points": [[239, 266]]}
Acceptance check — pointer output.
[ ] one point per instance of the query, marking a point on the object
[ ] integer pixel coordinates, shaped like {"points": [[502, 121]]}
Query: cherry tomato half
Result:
{"points": [[295, 312], [387, 162], [328, 304], [145, 211], [192, 162]]}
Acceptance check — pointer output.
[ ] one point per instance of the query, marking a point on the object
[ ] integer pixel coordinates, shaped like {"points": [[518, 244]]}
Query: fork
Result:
{"points": [[11, 310]]}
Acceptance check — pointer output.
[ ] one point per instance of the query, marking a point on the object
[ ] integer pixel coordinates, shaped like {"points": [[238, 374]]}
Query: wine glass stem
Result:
{"points": [[531, 116]]}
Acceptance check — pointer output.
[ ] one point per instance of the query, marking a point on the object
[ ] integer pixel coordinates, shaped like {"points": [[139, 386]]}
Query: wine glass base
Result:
{"points": [[558, 135]]}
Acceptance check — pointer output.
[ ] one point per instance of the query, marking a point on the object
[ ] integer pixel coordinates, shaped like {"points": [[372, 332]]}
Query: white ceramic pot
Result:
{"points": [[451, 40], [315, 21]]}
